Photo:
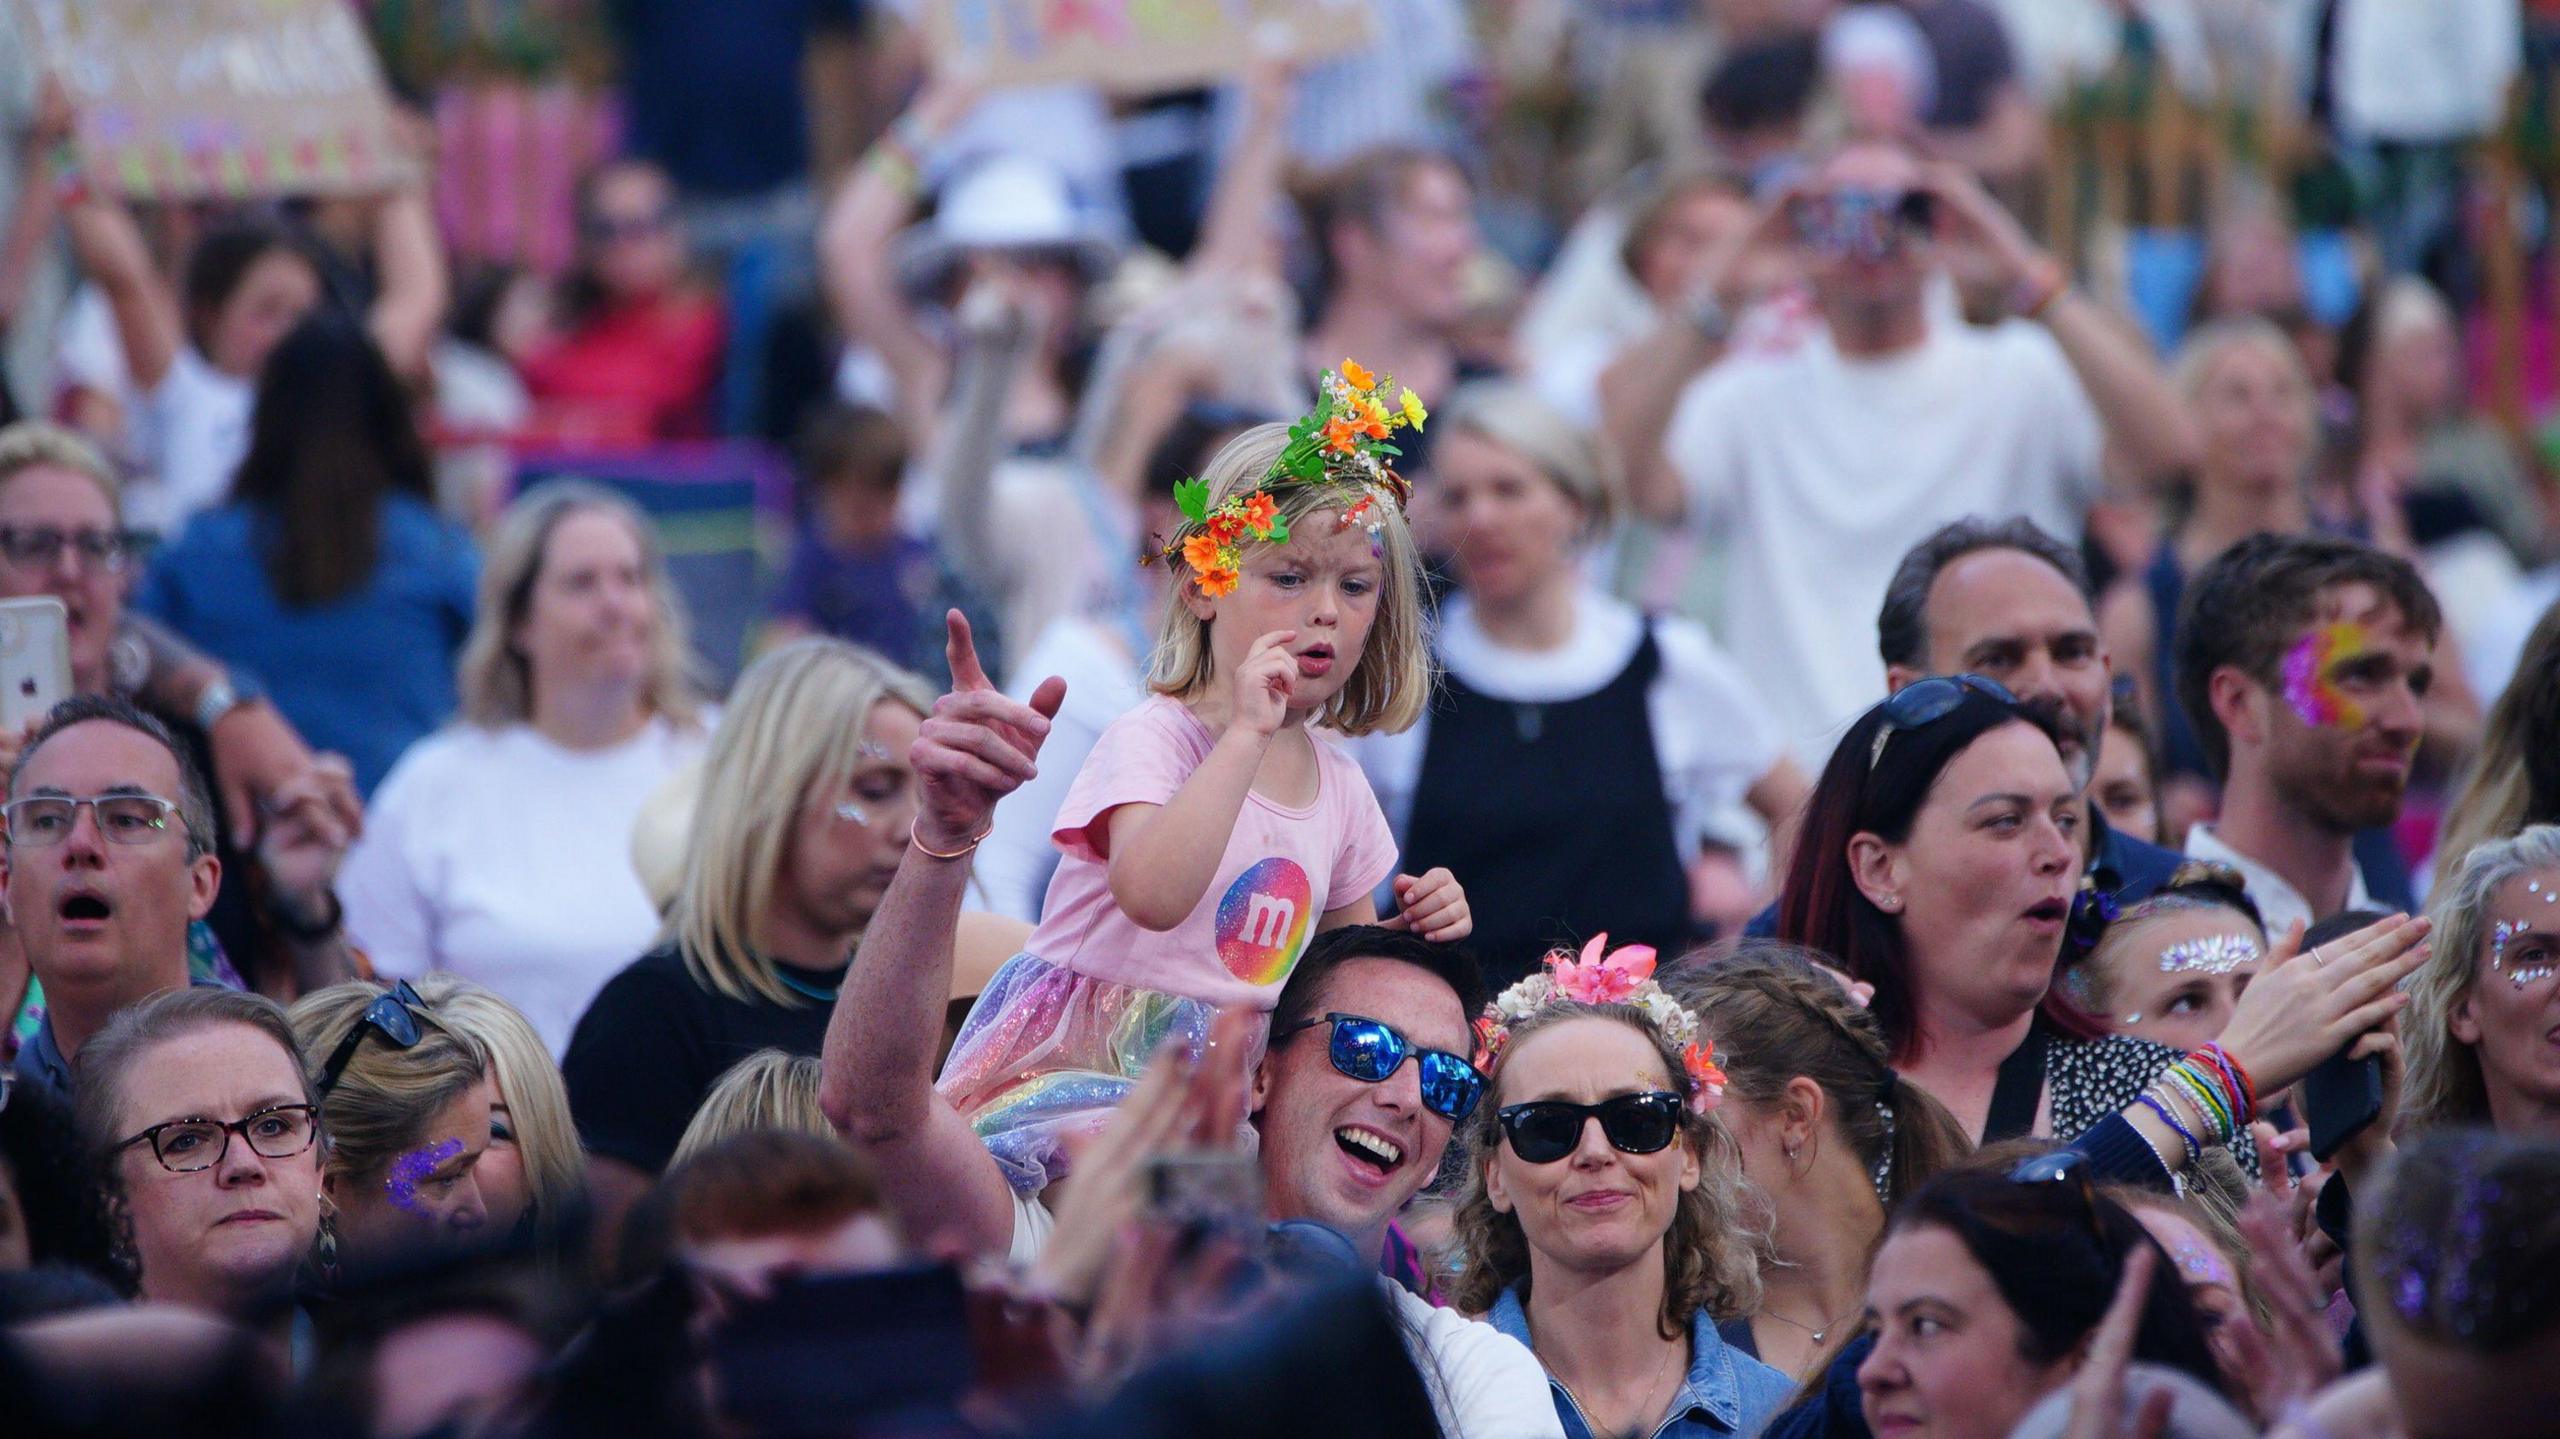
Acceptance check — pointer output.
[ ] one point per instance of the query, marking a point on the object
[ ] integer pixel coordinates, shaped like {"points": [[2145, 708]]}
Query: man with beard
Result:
{"points": [[2007, 601], [2302, 661]]}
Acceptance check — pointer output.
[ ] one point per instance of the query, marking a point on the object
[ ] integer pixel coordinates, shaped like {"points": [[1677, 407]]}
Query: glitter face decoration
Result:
{"points": [[2310, 675], [2200, 1263], [2505, 932], [2212, 954], [413, 1169]]}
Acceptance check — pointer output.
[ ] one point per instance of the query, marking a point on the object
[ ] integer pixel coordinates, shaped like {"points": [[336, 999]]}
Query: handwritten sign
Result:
{"points": [[185, 98], [1134, 46]]}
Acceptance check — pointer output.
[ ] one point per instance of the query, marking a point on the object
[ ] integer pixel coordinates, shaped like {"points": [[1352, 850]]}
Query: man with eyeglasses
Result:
{"points": [[107, 859], [1364, 1080]]}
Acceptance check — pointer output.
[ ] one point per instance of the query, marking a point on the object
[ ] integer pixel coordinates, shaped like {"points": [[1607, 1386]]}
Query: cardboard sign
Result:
{"points": [[1134, 46], [179, 99]]}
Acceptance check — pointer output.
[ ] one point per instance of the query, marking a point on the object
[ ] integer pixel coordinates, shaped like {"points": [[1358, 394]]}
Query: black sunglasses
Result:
{"points": [[394, 1016], [2067, 1167], [1366, 1050], [1543, 1131], [1922, 703]]}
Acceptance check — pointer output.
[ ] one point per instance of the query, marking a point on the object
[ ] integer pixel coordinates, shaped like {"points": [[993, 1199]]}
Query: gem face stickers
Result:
{"points": [[2213, 954], [2310, 669], [2507, 931], [411, 1170]]}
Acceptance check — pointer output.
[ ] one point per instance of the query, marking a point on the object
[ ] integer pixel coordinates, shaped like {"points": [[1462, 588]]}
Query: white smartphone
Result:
{"points": [[35, 660]]}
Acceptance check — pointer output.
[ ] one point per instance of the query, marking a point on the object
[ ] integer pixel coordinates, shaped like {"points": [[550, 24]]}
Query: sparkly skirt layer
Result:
{"points": [[1047, 1053]]}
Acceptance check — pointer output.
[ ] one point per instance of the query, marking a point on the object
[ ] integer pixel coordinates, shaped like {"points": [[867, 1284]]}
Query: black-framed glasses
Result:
{"points": [[1922, 703], [394, 1016], [47, 819], [1543, 1131], [1368, 1050], [42, 546], [184, 1146], [2067, 1167]]}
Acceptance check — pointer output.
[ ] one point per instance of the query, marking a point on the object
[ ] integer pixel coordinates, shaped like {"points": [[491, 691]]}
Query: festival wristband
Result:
{"points": [[2152, 1102]]}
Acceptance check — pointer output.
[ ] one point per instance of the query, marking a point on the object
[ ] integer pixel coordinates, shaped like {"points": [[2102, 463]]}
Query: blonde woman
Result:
{"points": [[534, 1177], [2477, 1031], [2516, 780], [1577, 752], [766, 1090], [805, 808], [404, 1099], [496, 850], [1603, 1216]]}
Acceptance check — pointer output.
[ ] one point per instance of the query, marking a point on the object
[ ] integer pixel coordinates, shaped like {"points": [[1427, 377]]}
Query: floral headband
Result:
{"points": [[1623, 976], [1342, 442]]}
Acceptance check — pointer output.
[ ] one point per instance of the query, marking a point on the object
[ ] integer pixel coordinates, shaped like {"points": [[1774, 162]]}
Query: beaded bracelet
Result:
{"points": [[2196, 1083], [2194, 1150]]}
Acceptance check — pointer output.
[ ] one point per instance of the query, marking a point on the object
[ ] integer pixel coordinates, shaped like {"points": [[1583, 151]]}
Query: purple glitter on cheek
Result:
{"points": [[411, 1170]]}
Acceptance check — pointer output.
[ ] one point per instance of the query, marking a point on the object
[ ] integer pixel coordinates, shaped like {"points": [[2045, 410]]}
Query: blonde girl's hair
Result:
{"points": [[495, 680], [767, 1090], [30, 443], [386, 1096], [1775, 1017], [1711, 1257], [2517, 776], [2444, 1084], [793, 731], [1392, 682], [530, 1085], [2196, 887]]}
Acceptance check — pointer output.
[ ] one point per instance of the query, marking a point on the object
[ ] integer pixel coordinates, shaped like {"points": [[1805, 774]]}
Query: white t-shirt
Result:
{"points": [[1484, 1384], [1710, 732], [193, 432], [499, 856], [1819, 471], [1017, 856]]}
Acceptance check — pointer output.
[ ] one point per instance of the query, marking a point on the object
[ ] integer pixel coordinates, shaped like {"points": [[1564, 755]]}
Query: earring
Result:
{"points": [[328, 1249], [1890, 904]]}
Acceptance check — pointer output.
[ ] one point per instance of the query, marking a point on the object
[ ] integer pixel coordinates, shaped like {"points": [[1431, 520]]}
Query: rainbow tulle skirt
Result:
{"points": [[1047, 1053]]}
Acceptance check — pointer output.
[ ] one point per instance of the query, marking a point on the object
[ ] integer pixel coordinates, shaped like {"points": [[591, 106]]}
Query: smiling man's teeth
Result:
{"points": [[1368, 1143]]}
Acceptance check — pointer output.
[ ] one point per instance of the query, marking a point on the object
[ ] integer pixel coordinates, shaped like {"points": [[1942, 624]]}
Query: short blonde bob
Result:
{"points": [[494, 677], [1392, 682]]}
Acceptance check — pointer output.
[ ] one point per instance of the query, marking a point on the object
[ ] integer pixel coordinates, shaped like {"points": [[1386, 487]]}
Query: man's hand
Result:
{"points": [[1968, 219], [258, 762], [977, 747], [303, 841]]}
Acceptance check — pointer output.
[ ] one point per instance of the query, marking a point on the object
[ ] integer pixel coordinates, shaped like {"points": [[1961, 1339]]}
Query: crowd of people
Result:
{"points": [[1545, 727]]}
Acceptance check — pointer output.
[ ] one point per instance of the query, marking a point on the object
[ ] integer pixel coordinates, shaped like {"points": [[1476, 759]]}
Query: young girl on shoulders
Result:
{"points": [[1212, 831]]}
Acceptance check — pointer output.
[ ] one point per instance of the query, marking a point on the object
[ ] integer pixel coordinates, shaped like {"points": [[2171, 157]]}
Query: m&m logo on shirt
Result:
{"points": [[1263, 921]]}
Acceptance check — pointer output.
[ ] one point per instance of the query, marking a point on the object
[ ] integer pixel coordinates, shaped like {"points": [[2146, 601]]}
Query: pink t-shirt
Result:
{"points": [[1283, 869]]}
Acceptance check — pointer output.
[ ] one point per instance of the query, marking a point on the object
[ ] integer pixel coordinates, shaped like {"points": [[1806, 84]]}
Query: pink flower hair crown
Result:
{"points": [[1621, 976]]}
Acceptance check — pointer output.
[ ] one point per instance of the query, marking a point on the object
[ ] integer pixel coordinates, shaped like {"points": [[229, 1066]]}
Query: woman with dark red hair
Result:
{"points": [[1939, 864]]}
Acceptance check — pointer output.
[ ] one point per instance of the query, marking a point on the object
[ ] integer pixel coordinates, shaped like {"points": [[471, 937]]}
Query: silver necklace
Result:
{"points": [[1807, 1328], [1593, 1416]]}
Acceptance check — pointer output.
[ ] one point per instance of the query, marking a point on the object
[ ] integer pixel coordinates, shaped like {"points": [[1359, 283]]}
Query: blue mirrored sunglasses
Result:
{"points": [[1922, 703], [1369, 1051]]}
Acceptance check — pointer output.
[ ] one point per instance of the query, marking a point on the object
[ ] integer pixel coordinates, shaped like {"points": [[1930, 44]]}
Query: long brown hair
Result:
{"points": [[1710, 1258], [1774, 1017]]}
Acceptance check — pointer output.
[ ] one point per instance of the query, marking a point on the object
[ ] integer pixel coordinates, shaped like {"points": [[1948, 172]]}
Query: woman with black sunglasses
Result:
{"points": [[203, 1123], [1603, 1218], [1939, 865]]}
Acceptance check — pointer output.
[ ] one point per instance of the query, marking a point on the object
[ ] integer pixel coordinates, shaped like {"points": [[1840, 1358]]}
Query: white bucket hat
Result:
{"points": [[1008, 202]]}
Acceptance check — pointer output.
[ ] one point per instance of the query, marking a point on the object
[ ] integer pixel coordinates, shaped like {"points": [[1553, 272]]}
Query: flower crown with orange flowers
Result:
{"points": [[1622, 976], [1342, 442]]}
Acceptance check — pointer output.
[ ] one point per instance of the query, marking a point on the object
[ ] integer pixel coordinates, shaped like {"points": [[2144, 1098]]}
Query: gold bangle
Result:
{"points": [[962, 852]]}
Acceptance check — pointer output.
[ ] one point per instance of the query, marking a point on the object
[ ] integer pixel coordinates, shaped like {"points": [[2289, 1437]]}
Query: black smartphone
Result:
{"points": [[822, 1352], [2340, 1096]]}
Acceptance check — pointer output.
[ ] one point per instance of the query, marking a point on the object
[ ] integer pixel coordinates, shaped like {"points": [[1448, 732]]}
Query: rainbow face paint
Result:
{"points": [[413, 1169], [2213, 954], [2310, 675]]}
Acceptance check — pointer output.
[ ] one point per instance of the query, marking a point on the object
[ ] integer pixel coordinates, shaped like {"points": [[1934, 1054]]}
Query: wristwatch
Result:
{"points": [[225, 694]]}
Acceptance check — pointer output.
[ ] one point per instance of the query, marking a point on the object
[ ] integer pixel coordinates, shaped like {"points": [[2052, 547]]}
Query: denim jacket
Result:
{"points": [[1727, 1394]]}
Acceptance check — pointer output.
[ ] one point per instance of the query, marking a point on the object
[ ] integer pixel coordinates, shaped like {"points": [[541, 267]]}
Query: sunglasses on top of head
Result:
{"points": [[1370, 1051], [1923, 703]]}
